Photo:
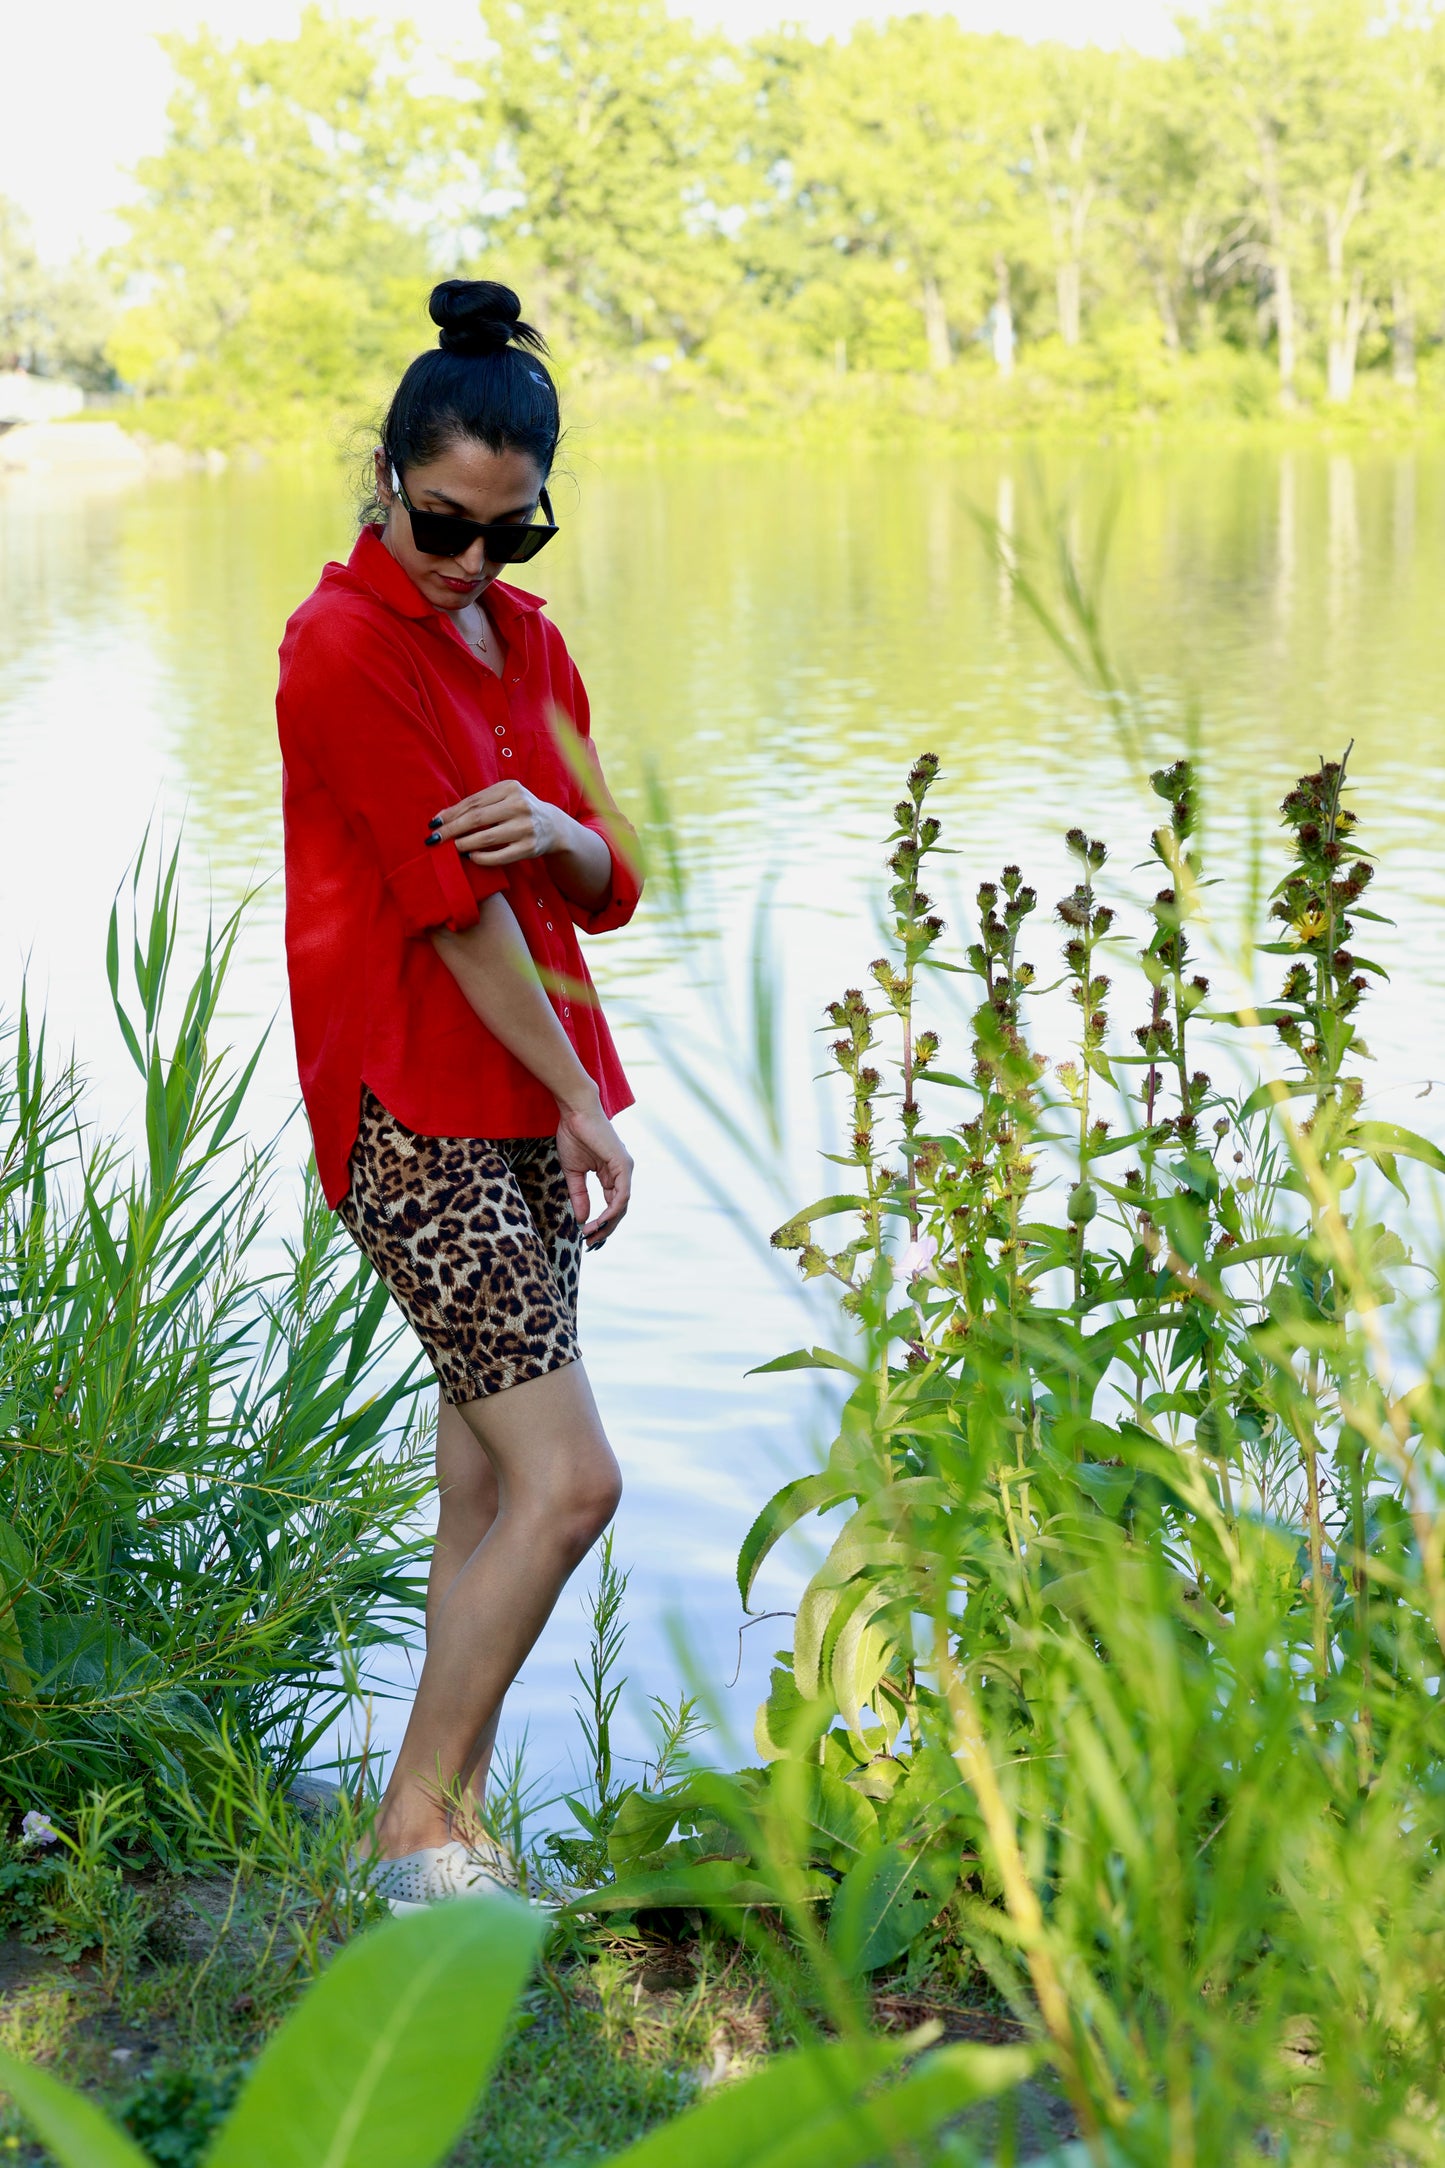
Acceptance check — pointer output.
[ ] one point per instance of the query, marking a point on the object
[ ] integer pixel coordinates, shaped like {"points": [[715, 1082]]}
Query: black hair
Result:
{"points": [[485, 378]]}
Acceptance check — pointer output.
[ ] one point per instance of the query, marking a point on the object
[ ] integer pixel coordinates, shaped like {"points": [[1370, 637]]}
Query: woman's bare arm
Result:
{"points": [[491, 965]]}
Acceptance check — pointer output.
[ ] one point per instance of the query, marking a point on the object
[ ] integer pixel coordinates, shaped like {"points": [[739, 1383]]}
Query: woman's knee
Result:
{"points": [[467, 1497], [577, 1505]]}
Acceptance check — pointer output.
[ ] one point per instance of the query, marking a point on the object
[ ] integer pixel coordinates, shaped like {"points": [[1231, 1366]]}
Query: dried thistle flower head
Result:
{"points": [[922, 775], [1088, 848], [1177, 786]]}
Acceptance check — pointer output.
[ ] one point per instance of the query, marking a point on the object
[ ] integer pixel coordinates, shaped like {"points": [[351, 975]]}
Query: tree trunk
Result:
{"points": [[1168, 315], [1003, 318], [1284, 325], [1347, 321], [1402, 336], [1347, 304], [1069, 286], [935, 326]]}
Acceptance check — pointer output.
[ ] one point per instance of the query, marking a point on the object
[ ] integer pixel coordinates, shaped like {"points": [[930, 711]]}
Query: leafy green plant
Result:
{"points": [[196, 1510], [583, 1858], [1121, 1663], [175, 2113], [92, 1905], [382, 2061]]}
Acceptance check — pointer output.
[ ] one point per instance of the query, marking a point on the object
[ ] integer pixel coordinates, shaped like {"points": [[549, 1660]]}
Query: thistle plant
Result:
{"points": [[1005, 1072], [1166, 960], [1318, 901], [1134, 1448], [1088, 922], [915, 930]]}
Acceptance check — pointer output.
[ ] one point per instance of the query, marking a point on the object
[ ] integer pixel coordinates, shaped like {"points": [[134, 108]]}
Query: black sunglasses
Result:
{"points": [[442, 534]]}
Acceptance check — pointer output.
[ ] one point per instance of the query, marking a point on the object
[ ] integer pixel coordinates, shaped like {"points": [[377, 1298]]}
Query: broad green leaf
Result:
{"points": [[828, 1634], [15, 1571], [807, 1358], [885, 1902], [734, 2128], [881, 2127], [827, 1206], [860, 1658], [704, 1882], [642, 1823], [381, 2063], [846, 1822], [807, 1494], [74, 2130], [787, 1723], [1267, 1095], [816, 1606], [1379, 1138], [1108, 1487]]}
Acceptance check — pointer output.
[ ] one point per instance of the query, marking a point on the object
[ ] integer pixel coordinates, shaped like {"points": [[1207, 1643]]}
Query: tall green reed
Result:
{"points": [[208, 1458]]}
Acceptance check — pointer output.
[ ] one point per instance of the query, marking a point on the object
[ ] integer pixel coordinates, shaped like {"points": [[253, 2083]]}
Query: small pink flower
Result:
{"points": [[917, 1257], [38, 1829]]}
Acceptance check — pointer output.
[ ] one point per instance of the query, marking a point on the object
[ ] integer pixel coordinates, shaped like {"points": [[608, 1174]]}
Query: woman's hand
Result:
{"points": [[587, 1144], [502, 825]]}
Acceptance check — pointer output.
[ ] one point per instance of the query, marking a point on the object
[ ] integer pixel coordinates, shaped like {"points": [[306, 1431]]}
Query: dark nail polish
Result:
{"points": [[433, 839]]}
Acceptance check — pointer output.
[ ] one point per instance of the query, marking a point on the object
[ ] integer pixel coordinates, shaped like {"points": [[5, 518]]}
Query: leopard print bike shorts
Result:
{"points": [[477, 1243]]}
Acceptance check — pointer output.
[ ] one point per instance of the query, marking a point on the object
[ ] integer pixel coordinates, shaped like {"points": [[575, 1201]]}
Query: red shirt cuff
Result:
{"points": [[623, 893], [435, 889]]}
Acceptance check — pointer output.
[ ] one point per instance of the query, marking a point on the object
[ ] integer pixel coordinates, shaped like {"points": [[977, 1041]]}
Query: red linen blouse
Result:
{"points": [[385, 718]]}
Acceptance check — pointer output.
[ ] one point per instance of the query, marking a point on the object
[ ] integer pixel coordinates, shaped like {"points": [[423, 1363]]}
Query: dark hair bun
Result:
{"points": [[477, 317]]}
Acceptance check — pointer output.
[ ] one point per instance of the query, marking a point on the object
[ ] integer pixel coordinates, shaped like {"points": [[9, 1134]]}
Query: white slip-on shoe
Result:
{"points": [[433, 1875], [493, 1857]]}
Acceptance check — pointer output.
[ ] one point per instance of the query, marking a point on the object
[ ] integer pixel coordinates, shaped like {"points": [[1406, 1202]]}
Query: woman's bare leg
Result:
{"points": [[557, 1487], [467, 1504], [468, 1501]]}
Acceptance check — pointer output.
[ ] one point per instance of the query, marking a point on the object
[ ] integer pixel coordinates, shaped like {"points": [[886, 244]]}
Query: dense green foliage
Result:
{"points": [[380, 2064], [1020, 228], [196, 1523], [52, 322], [1121, 1676]]}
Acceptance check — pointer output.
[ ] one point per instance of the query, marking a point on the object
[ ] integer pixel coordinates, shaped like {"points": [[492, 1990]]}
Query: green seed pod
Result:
{"points": [[1083, 1203]]}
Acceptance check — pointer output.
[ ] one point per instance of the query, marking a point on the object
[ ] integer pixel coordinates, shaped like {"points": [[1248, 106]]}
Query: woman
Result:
{"points": [[447, 831]]}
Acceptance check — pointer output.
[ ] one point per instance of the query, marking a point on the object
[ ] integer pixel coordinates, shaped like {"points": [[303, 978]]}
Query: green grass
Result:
{"points": [[610, 2042]]}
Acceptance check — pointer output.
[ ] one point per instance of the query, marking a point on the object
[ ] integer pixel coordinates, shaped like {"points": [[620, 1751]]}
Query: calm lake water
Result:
{"points": [[775, 642]]}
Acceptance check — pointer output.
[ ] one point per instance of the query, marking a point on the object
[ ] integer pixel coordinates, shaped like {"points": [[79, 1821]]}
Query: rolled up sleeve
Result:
{"points": [[354, 710], [625, 890], [594, 806]]}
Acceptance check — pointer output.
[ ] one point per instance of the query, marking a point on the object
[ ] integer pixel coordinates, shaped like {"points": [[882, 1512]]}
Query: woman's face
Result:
{"points": [[469, 481]]}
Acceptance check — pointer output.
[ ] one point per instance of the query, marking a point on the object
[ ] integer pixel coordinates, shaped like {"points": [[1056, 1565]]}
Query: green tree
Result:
{"points": [[1074, 125], [1309, 111], [901, 170], [268, 247], [51, 322], [1184, 233], [1409, 202], [611, 139]]}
